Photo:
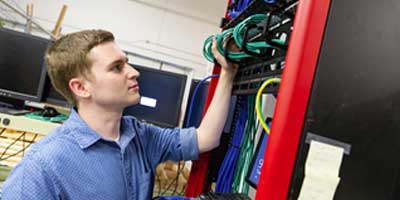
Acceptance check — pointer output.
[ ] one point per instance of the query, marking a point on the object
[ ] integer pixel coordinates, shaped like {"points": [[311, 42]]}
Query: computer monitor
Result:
{"points": [[51, 95], [22, 70], [198, 103], [161, 97]]}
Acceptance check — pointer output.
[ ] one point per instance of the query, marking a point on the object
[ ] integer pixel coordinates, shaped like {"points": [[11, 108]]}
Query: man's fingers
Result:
{"points": [[214, 46]]}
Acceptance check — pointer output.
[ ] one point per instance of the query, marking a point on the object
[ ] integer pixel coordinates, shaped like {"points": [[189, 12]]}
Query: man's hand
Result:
{"points": [[227, 66]]}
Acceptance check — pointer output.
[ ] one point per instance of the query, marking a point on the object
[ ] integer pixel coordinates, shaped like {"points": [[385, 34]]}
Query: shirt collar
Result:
{"points": [[86, 136], [83, 134]]}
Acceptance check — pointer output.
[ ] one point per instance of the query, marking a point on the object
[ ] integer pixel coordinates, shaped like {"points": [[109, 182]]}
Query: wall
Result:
{"points": [[167, 30], [163, 34]]}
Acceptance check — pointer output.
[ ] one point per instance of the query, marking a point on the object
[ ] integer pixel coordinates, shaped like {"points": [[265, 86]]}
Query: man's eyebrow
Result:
{"points": [[118, 61]]}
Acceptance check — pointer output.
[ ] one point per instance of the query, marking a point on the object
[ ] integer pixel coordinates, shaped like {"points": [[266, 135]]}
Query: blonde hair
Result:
{"points": [[67, 58]]}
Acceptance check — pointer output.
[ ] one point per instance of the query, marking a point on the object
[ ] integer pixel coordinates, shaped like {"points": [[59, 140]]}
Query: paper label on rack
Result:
{"points": [[323, 160], [321, 171], [317, 188]]}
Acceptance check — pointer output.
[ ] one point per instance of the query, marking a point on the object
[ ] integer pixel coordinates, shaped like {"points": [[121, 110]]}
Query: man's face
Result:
{"points": [[112, 82]]}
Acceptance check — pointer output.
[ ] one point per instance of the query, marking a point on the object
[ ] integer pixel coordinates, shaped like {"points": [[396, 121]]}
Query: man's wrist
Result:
{"points": [[228, 73]]}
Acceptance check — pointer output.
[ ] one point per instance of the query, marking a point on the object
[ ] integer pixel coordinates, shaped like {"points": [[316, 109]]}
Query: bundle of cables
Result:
{"points": [[246, 150], [240, 153], [221, 39], [237, 6], [239, 34], [227, 169]]}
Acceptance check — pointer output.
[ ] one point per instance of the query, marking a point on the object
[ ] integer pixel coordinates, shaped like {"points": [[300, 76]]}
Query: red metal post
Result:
{"points": [[297, 79]]}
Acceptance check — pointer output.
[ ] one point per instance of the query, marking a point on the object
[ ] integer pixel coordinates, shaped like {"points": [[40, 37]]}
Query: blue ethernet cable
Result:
{"points": [[189, 116], [227, 169]]}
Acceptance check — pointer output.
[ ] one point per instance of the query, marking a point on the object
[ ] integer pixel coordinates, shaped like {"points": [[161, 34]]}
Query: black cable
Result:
{"points": [[266, 32], [178, 172], [183, 189], [175, 179], [245, 40], [2, 131], [23, 145], [12, 143], [18, 152], [280, 10], [159, 184], [167, 188]]}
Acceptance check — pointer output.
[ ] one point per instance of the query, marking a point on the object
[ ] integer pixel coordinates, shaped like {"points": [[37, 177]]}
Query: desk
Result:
{"points": [[21, 123]]}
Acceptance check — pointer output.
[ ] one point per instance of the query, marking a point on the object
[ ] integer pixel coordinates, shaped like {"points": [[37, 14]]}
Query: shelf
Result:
{"points": [[261, 7], [256, 6], [251, 75]]}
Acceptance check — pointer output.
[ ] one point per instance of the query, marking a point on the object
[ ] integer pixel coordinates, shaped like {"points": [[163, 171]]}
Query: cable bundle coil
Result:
{"points": [[239, 35]]}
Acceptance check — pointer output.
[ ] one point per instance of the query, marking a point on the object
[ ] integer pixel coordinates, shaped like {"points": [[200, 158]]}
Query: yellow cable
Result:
{"points": [[258, 97]]}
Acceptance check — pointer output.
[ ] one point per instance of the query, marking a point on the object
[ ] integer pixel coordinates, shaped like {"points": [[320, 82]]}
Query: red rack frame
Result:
{"points": [[294, 92]]}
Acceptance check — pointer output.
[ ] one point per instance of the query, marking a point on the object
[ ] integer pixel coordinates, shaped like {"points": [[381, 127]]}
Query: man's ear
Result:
{"points": [[79, 87]]}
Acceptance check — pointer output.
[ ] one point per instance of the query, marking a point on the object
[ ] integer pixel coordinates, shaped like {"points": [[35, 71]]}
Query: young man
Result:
{"points": [[97, 153]]}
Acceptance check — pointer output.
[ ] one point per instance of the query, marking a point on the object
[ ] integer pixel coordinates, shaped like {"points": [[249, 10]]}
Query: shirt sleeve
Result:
{"points": [[170, 144], [29, 180]]}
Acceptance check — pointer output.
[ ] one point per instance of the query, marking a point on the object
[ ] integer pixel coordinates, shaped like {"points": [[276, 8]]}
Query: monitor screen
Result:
{"points": [[52, 96], [161, 97], [198, 103], [22, 68]]}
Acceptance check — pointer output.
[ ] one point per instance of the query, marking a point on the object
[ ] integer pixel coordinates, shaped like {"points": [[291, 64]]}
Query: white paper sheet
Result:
{"points": [[321, 172]]}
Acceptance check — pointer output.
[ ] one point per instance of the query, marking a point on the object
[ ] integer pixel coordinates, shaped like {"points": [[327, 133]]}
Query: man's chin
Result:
{"points": [[135, 101], [131, 101]]}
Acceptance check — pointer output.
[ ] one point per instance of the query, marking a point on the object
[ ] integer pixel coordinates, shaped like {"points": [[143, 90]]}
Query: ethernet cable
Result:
{"points": [[260, 116]]}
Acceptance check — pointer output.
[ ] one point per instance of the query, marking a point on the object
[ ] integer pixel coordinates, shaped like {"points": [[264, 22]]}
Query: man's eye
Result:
{"points": [[117, 68]]}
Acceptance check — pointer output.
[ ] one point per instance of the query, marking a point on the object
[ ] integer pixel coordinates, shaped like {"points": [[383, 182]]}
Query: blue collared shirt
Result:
{"points": [[74, 162]]}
